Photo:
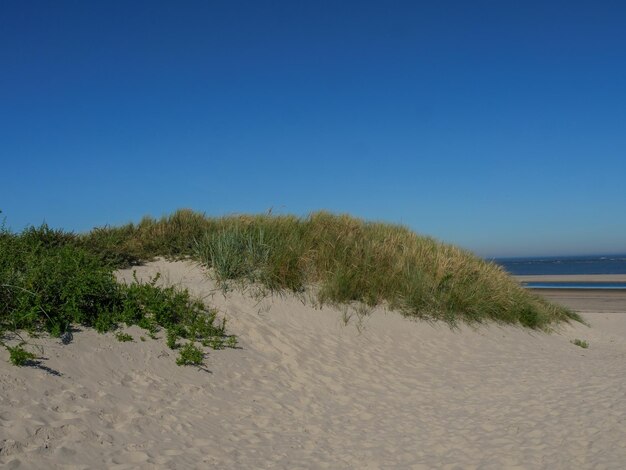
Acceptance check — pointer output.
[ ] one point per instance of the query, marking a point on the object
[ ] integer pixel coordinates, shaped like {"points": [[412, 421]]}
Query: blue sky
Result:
{"points": [[499, 126]]}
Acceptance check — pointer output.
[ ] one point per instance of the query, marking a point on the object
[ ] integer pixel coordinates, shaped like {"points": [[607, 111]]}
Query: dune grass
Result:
{"points": [[343, 258], [580, 343], [127, 245]]}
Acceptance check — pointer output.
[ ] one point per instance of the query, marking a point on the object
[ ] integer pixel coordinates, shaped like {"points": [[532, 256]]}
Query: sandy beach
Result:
{"points": [[583, 300], [574, 278], [307, 390]]}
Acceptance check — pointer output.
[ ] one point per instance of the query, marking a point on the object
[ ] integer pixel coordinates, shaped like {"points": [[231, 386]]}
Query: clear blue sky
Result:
{"points": [[499, 126]]}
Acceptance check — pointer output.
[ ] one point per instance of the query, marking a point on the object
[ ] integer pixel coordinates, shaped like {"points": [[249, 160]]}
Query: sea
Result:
{"points": [[567, 265]]}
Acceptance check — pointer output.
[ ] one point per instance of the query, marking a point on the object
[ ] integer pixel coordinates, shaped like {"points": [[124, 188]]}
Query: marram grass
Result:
{"points": [[344, 258]]}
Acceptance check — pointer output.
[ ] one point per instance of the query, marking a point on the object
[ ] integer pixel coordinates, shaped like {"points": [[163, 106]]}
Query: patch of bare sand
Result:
{"points": [[306, 391]]}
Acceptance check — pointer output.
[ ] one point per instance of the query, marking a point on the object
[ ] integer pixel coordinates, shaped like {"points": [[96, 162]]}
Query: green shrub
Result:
{"points": [[19, 356], [190, 355], [124, 246], [123, 337], [46, 284], [580, 342], [172, 337], [50, 280], [113, 246]]}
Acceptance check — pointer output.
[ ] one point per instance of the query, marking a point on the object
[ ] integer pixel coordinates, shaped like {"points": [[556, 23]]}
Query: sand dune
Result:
{"points": [[307, 391]]}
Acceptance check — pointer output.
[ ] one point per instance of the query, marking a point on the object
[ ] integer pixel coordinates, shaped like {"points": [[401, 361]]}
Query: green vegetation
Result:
{"points": [[190, 355], [122, 247], [344, 259], [221, 342], [172, 337], [580, 342], [19, 356], [123, 337], [50, 279]]}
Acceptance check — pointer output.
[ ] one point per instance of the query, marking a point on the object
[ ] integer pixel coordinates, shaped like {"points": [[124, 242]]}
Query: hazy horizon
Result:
{"points": [[496, 127]]}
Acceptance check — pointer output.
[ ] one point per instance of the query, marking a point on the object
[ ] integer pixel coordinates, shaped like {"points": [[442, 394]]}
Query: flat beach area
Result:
{"points": [[583, 300], [308, 390]]}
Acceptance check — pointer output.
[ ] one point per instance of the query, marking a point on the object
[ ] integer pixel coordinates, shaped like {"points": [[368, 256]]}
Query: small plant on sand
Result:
{"points": [[190, 355], [123, 337], [19, 356], [215, 343], [580, 342], [172, 337]]}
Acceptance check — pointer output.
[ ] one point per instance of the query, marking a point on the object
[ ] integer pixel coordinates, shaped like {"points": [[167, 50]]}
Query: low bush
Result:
{"points": [[190, 355], [124, 246], [19, 356], [123, 337], [49, 281]]}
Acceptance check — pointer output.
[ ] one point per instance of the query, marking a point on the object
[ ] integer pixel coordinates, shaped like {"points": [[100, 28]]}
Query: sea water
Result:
{"points": [[567, 265]]}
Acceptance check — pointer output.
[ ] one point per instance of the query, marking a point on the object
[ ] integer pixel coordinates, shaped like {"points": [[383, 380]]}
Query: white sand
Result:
{"points": [[305, 391]]}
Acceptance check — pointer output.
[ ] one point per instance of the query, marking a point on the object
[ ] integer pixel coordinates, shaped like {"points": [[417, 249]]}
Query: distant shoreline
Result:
{"points": [[572, 278], [565, 266], [583, 300]]}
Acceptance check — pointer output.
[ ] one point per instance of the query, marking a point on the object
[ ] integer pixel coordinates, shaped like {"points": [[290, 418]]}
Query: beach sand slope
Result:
{"points": [[306, 391]]}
